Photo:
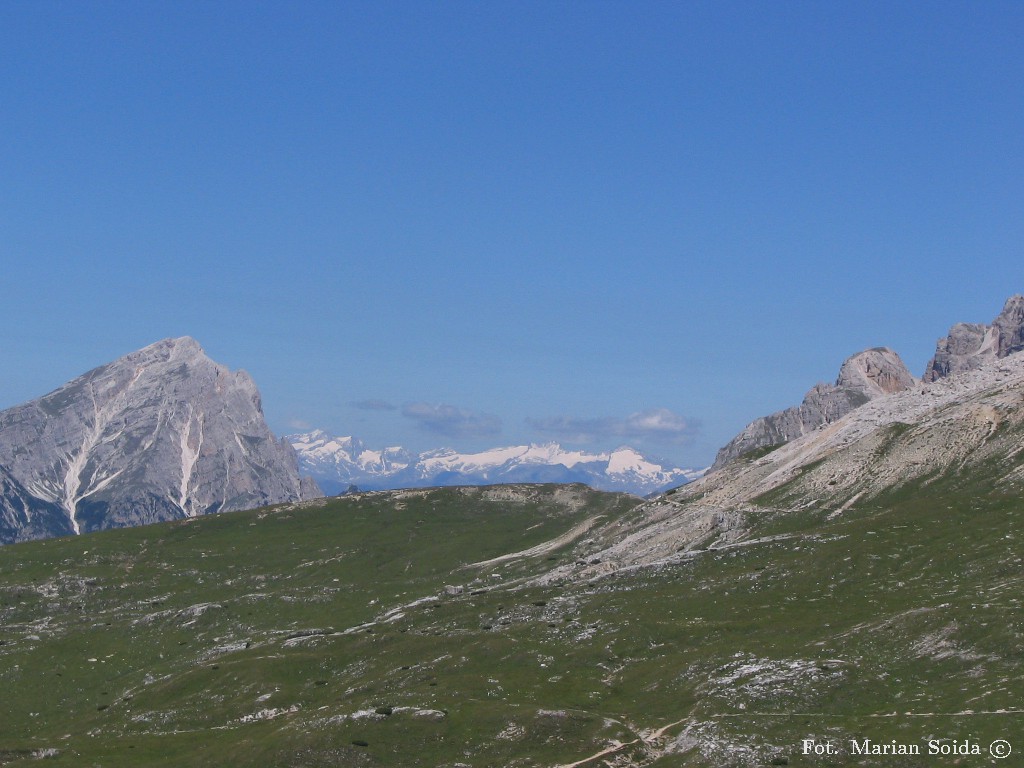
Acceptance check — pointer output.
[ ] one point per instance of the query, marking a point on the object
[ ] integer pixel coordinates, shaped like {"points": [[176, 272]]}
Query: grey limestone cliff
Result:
{"points": [[863, 377], [971, 345], [160, 434]]}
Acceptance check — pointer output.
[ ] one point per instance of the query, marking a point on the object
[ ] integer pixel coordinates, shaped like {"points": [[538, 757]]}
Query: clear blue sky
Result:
{"points": [[480, 223]]}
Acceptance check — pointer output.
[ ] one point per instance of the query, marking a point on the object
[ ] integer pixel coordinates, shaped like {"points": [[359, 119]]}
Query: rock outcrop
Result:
{"points": [[863, 377], [160, 434], [971, 345]]}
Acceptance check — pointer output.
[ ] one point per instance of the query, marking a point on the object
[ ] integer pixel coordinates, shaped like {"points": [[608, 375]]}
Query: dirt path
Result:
{"points": [[648, 738], [653, 735], [542, 549], [615, 747]]}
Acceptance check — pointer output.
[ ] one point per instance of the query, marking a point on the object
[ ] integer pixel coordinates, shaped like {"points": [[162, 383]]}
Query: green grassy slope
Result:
{"points": [[264, 639], [213, 641]]}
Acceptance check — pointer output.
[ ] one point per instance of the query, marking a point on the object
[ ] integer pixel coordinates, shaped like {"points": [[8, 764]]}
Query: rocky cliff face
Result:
{"points": [[971, 345], [863, 377], [159, 434]]}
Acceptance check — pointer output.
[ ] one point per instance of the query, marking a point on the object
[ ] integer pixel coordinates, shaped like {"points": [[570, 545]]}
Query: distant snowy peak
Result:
{"points": [[629, 461], [339, 462], [322, 453], [546, 454]]}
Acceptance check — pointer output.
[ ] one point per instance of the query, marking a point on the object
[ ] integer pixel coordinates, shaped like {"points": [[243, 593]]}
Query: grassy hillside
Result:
{"points": [[324, 636]]}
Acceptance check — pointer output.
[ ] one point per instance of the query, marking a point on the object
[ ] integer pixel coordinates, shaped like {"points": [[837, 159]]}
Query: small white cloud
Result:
{"points": [[658, 421]]}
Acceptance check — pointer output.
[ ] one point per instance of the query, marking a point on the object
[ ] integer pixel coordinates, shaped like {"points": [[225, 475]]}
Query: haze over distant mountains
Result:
{"points": [[339, 462]]}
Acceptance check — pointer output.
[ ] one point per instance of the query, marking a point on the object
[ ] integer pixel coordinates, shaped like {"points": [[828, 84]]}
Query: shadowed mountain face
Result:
{"points": [[23, 516], [863, 377], [159, 434]]}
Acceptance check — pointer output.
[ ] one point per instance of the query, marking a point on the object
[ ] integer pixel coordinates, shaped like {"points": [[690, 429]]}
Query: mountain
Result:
{"points": [[970, 345], [878, 372], [862, 377], [340, 462], [159, 434]]}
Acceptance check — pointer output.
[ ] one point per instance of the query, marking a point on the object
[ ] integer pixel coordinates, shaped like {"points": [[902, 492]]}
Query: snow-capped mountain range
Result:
{"points": [[340, 462]]}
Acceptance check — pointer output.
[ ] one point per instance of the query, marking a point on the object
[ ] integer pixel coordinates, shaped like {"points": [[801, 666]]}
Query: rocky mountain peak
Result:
{"points": [[1010, 324], [161, 433], [875, 372], [183, 349], [971, 345], [863, 377], [182, 345]]}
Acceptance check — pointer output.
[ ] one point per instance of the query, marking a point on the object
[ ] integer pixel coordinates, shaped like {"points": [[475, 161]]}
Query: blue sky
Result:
{"points": [[473, 224]]}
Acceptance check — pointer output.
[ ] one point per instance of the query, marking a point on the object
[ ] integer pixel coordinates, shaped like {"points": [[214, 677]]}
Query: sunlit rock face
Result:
{"points": [[863, 377], [160, 434], [971, 345]]}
